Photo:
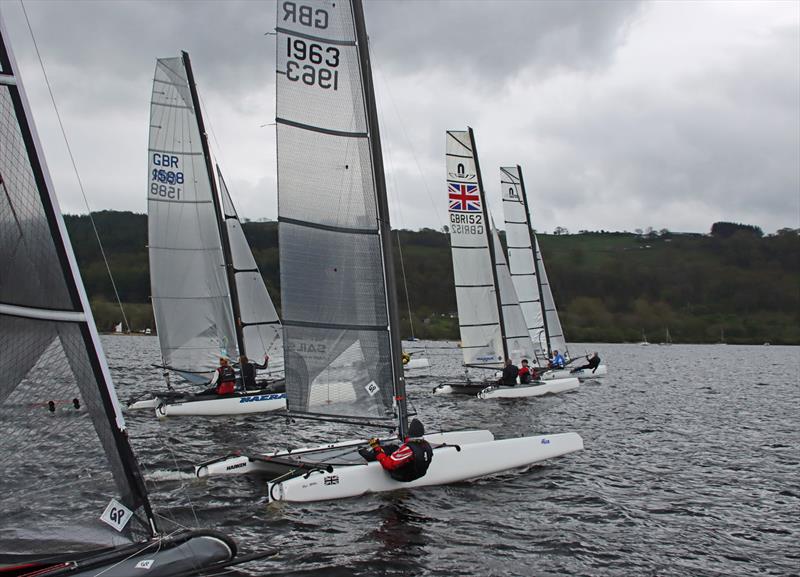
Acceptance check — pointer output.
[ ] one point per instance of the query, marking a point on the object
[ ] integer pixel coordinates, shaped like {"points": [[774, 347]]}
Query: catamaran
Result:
{"points": [[208, 295], [530, 279], [73, 499], [490, 314], [341, 329]]}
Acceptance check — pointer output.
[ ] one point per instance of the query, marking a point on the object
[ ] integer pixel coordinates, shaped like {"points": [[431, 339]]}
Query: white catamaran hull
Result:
{"points": [[583, 374], [450, 464], [243, 464], [238, 405], [490, 390], [521, 391]]}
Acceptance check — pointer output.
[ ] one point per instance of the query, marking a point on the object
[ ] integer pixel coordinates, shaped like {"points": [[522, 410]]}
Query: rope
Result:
{"points": [[75, 167]]}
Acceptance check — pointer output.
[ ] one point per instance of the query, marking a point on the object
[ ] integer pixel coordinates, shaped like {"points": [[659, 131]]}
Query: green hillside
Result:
{"points": [[609, 286]]}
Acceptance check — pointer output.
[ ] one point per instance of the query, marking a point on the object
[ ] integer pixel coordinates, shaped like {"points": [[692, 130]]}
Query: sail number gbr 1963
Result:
{"points": [[311, 64]]}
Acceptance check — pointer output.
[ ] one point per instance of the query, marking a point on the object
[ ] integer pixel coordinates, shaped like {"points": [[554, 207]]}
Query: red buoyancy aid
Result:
{"points": [[226, 381]]}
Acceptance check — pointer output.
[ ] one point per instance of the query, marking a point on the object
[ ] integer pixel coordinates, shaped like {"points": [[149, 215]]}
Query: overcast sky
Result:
{"points": [[623, 115]]}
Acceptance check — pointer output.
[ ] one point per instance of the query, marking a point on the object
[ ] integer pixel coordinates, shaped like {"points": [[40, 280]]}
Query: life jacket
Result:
{"points": [[418, 466], [226, 373], [226, 383]]}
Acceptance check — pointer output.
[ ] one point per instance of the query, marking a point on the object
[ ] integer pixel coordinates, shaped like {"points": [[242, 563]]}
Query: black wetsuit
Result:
{"points": [[509, 378]]}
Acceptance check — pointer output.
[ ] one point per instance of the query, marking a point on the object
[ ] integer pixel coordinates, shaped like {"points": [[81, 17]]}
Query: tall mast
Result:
{"points": [[535, 258], [384, 225], [81, 312], [490, 239], [223, 230]]}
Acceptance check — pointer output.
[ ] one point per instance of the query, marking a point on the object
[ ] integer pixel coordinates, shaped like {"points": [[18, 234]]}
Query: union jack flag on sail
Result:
{"points": [[464, 197]]}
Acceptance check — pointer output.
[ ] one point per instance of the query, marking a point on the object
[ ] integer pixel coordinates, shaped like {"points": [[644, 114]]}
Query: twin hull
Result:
{"points": [[209, 407], [450, 464], [583, 374]]}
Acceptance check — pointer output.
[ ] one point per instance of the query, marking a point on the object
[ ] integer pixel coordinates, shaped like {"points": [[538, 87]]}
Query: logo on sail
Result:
{"points": [[464, 197]]}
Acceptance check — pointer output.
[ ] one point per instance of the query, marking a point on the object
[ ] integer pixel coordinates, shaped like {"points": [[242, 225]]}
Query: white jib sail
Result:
{"points": [[557, 340], [520, 254], [191, 300], [478, 314], [518, 341], [260, 323]]}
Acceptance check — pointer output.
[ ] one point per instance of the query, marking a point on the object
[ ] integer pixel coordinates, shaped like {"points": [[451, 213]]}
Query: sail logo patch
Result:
{"points": [[463, 197], [116, 514], [372, 388], [146, 564]]}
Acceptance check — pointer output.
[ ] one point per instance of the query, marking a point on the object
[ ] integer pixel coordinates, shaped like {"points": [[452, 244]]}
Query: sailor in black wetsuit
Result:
{"points": [[510, 372], [248, 371], [594, 362]]}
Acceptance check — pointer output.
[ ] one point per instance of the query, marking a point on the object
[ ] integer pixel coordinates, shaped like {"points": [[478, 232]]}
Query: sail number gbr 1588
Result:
{"points": [[461, 223], [311, 64], [166, 179]]}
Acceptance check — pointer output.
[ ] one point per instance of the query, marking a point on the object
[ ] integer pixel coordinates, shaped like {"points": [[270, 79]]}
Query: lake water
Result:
{"points": [[691, 467]]}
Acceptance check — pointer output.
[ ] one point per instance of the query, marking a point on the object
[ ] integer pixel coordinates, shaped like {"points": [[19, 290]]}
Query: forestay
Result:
{"points": [[50, 451], [518, 342], [338, 353], [260, 324], [476, 290], [519, 240], [190, 293], [557, 340]]}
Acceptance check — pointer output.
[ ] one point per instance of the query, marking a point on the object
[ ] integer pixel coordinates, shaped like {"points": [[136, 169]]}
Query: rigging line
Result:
{"points": [[408, 140], [398, 205], [74, 165]]}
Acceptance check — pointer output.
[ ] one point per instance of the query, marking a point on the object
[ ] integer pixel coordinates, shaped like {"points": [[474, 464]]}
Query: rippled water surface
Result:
{"points": [[691, 467]]}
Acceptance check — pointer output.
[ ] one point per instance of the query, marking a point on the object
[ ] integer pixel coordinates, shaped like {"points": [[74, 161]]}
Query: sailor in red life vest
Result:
{"points": [[224, 379], [409, 461]]}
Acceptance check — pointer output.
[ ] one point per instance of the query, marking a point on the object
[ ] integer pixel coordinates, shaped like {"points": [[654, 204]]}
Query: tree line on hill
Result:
{"points": [[609, 286]]}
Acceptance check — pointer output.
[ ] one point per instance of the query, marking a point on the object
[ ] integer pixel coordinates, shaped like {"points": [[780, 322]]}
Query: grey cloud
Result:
{"points": [[488, 42]]}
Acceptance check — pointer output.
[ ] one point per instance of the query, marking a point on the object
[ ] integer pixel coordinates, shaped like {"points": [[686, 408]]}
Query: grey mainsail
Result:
{"points": [[341, 340], [52, 363], [188, 279]]}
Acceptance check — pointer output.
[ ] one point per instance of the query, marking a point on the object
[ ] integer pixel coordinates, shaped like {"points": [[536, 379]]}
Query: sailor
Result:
{"points": [[409, 461], [249, 370], [557, 362], [509, 378], [525, 374], [224, 379], [594, 362]]}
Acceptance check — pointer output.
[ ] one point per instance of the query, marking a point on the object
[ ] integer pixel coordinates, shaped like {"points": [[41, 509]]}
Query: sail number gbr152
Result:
{"points": [[311, 64], [461, 223]]}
